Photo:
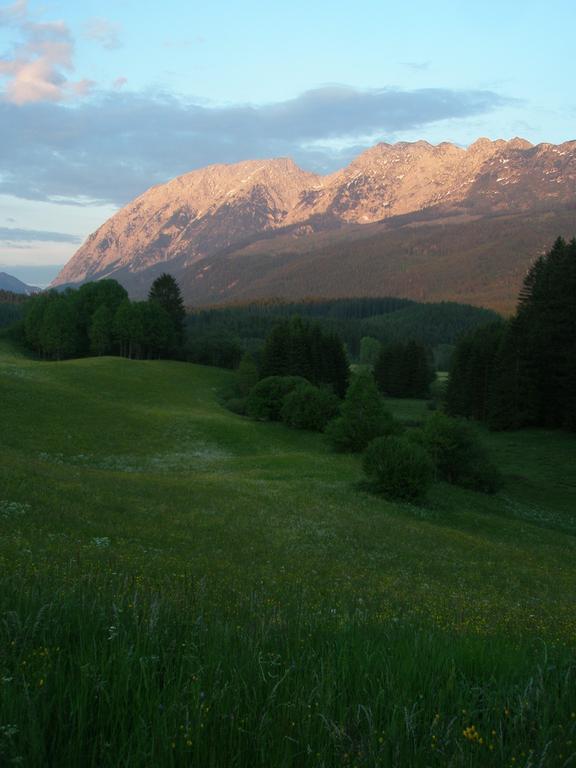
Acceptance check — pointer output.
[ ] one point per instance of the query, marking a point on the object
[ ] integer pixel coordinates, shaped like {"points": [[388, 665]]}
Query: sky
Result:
{"points": [[101, 100]]}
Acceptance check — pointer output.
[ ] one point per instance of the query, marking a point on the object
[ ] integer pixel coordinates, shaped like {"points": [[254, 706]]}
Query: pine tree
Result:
{"points": [[166, 292]]}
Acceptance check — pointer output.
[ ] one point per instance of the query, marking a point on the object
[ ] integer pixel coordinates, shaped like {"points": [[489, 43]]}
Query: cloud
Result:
{"points": [[12, 235], [14, 12], [113, 146], [104, 32], [120, 82], [37, 69]]}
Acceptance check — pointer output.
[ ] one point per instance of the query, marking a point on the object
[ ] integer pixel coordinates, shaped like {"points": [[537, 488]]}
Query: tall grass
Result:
{"points": [[106, 672]]}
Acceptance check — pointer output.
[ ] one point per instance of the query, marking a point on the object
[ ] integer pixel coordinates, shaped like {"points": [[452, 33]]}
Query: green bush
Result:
{"points": [[363, 416], [399, 468], [309, 407], [266, 398], [457, 453]]}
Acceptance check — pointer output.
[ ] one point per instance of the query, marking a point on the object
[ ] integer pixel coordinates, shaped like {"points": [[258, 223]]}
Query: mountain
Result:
{"points": [[411, 219], [12, 284]]}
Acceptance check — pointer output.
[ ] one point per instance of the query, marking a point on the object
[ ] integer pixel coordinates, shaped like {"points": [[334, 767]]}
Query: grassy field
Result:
{"points": [[182, 586]]}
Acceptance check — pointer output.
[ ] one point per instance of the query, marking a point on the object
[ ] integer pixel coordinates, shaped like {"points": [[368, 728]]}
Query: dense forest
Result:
{"points": [[99, 319], [218, 336], [522, 372]]}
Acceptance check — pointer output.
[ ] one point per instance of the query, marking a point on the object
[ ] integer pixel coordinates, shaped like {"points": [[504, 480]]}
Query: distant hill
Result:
{"points": [[409, 219], [13, 285]]}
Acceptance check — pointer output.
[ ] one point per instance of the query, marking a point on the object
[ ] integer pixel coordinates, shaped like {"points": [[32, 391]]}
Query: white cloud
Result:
{"points": [[38, 67]]}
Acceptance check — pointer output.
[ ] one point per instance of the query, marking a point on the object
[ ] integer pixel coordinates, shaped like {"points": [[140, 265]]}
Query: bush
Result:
{"points": [[363, 417], [267, 397], [399, 468], [309, 407], [457, 453]]}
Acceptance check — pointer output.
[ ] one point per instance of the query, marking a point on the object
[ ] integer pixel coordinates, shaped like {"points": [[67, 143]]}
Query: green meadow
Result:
{"points": [[180, 586]]}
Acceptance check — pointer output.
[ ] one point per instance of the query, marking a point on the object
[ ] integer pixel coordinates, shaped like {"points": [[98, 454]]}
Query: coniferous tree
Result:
{"points": [[404, 370], [472, 372], [166, 292], [298, 348], [530, 362]]}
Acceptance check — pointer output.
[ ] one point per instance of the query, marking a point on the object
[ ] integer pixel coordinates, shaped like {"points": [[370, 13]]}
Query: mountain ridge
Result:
{"points": [[14, 285], [225, 208]]}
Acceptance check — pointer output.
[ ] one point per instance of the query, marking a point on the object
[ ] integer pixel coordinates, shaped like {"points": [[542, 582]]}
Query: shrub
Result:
{"points": [[267, 397], [309, 407], [363, 417], [399, 468], [457, 453]]}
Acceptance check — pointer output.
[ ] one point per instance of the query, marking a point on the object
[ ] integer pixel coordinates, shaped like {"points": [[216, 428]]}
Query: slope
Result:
{"points": [[182, 585]]}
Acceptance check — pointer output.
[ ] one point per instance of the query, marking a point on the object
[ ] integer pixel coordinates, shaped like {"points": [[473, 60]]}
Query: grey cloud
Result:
{"points": [[13, 13], [12, 235], [112, 147]]}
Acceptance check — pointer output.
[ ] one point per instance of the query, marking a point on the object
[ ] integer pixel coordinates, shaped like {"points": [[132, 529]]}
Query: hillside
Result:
{"points": [[229, 231], [179, 583]]}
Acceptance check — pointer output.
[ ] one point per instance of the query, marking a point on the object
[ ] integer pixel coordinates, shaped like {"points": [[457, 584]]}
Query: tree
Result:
{"points": [[59, 336], [166, 292], [87, 300], [404, 370], [101, 331], [471, 380], [298, 348], [363, 416], [34, 318], [522, 373], [158, 334]]}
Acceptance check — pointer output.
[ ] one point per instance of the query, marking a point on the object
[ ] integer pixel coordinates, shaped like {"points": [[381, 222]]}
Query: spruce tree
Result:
{"points": [[166, 292]]}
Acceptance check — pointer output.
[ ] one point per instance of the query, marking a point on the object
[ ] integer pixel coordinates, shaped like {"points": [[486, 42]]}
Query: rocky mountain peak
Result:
{"points": [[222, 207]]}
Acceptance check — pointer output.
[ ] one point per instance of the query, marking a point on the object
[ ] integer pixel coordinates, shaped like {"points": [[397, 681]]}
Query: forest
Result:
{"points": [[522, 372]]}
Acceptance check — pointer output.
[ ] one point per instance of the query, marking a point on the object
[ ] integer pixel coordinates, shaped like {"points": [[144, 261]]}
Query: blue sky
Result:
{"points": [[98, 101]]}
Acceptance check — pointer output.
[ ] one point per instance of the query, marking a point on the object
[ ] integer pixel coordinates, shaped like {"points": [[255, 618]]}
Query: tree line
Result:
{"points": [[223, 333], [522, 372], [99, 319]]}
